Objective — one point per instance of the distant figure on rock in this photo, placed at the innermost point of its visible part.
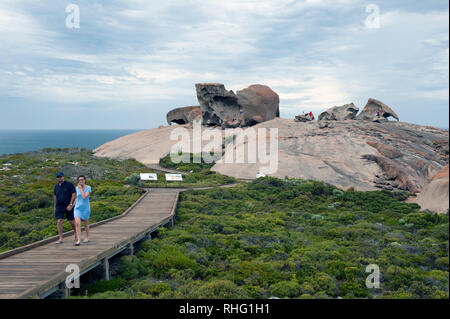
(304, 117)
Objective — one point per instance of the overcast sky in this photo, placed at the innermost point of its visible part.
(131, 61)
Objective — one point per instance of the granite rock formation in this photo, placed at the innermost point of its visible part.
(217, 104)
(339, 113)
(365, 155)
(250, 106)
(369, 113)
(435, 195)
(184, 115)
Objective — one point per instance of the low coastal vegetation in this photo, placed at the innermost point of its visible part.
(27, 181)
(288, 239)
(188, 162)
(26, 191)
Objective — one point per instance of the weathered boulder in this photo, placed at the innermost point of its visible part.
(340, 113)
(217, 104)
(184, 115)
(435, 195)
(374, 108)
(259, 104)
(250, 106)
(304, 117)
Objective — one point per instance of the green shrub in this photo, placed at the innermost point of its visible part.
(105, 285)
(152, 288)
(442, 263)
(111, 295)
(220, 289)
(190, 166)
(285, 289)
(131, 267)
(133, 179)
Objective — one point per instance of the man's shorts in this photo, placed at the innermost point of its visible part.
(61, 210)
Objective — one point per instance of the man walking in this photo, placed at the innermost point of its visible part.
(63, 198)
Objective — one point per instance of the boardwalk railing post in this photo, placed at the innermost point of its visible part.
(131, 248)
(106, 275)
(63, 290)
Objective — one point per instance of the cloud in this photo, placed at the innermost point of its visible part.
(314, 53)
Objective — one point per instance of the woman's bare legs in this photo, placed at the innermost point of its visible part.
(78, 229)
(86, 229)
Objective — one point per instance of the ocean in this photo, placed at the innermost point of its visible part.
(20, 141)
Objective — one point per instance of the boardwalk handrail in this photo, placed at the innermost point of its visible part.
(44, 241)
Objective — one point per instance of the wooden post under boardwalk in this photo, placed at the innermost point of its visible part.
(106, 275)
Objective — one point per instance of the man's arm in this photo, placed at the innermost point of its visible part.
(54, 203)
(72, 201)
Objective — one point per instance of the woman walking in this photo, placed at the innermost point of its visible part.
(82, 209)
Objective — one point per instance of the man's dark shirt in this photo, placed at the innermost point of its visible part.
(64, 193)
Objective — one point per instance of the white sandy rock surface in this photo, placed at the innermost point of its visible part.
(352, 153)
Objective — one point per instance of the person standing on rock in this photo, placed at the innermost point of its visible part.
(63, 199)
(82, 209)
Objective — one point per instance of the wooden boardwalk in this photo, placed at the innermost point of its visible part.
(39, 269)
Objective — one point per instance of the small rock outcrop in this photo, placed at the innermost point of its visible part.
(184, 115)
(339, 113)
(304, 117)
(376, 111)
(435, 195)
(250, 106)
